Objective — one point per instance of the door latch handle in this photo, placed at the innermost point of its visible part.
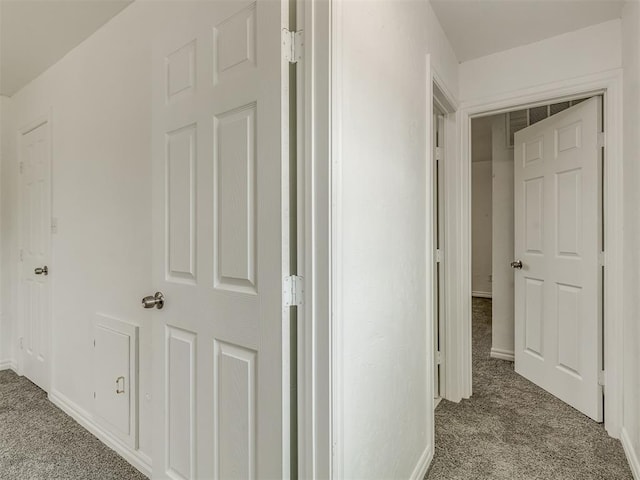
(156, 300)
(517, 264)
(118, 389)
(41, 271)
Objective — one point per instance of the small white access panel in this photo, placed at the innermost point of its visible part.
(115, 379)
(558, 334)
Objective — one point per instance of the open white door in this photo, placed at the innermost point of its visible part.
(35, 253)
(220, 242)
(558, 241)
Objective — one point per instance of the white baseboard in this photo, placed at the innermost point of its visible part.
(139, 460)
(503, 354)
(8, 365)
(482, 294)
(422, 466)
(632, 455)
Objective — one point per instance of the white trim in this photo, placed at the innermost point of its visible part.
(503, 354)
(315, 394)
(609, 82)
(445, 100)
(421, 468)
(138, 459)
(9, 365)
(482, 294)
(632, 455)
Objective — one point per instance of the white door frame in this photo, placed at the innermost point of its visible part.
(315, 367)
(439, 94)
(45, 119)
(458, 182)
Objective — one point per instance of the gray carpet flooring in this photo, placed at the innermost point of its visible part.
(510, 429)
(40, 441)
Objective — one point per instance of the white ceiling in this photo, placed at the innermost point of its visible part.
(480, 27)
(35, 34)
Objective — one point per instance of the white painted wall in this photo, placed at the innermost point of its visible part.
(631, 400)
(99, 95)
(383, 401)
(481, 205)
(574, 54)
(502, 327)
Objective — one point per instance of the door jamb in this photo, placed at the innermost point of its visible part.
(315, 334)
(439, 94)
(459, 318)
(38, 121)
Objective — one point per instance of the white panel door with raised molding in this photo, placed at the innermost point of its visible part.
(558, 329)
(220, 242)
(35, 254)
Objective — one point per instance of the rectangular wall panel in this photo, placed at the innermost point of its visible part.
(534, 315)
(235, 210)
(569, 212)
(181, 204)
(180, 414)
(534, 215)
(569, 315)
(181, 71)
(235, 413)
(235, 44)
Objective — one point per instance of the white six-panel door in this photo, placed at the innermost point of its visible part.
(557, 239)
(35, 254)
(220, 245)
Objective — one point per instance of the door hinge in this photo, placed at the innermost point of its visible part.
(439, 255)
(293, 291)
(439, 151)
(292, 45)
(94, 394)
(601, 259)
(602, 139)
(439, 358)
(21, 167)
(94, 342)
(602, 378)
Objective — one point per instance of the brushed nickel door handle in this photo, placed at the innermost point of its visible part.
(156, 301)
(41, 271)
(517, 264)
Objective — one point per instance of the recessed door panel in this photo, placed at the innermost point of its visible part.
(181, 204)
(235, 255)
(569, 203)
(534, 215)
(534, 316)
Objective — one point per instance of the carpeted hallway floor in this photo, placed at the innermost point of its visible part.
(40, 441)
(511, 430)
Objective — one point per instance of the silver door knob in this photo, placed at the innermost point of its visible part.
(41, 271)
(517, 264)
(156, 300)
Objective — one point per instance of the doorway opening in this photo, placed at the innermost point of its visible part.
(543, 207)
(459, 186)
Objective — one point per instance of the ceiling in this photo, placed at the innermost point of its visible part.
(35, 34)
(477, 28)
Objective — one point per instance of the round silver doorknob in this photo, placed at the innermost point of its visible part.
(41, 271)
(516, 264)
(156, 300)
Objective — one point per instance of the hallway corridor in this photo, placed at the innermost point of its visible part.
(38, 441)
(511, 429)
